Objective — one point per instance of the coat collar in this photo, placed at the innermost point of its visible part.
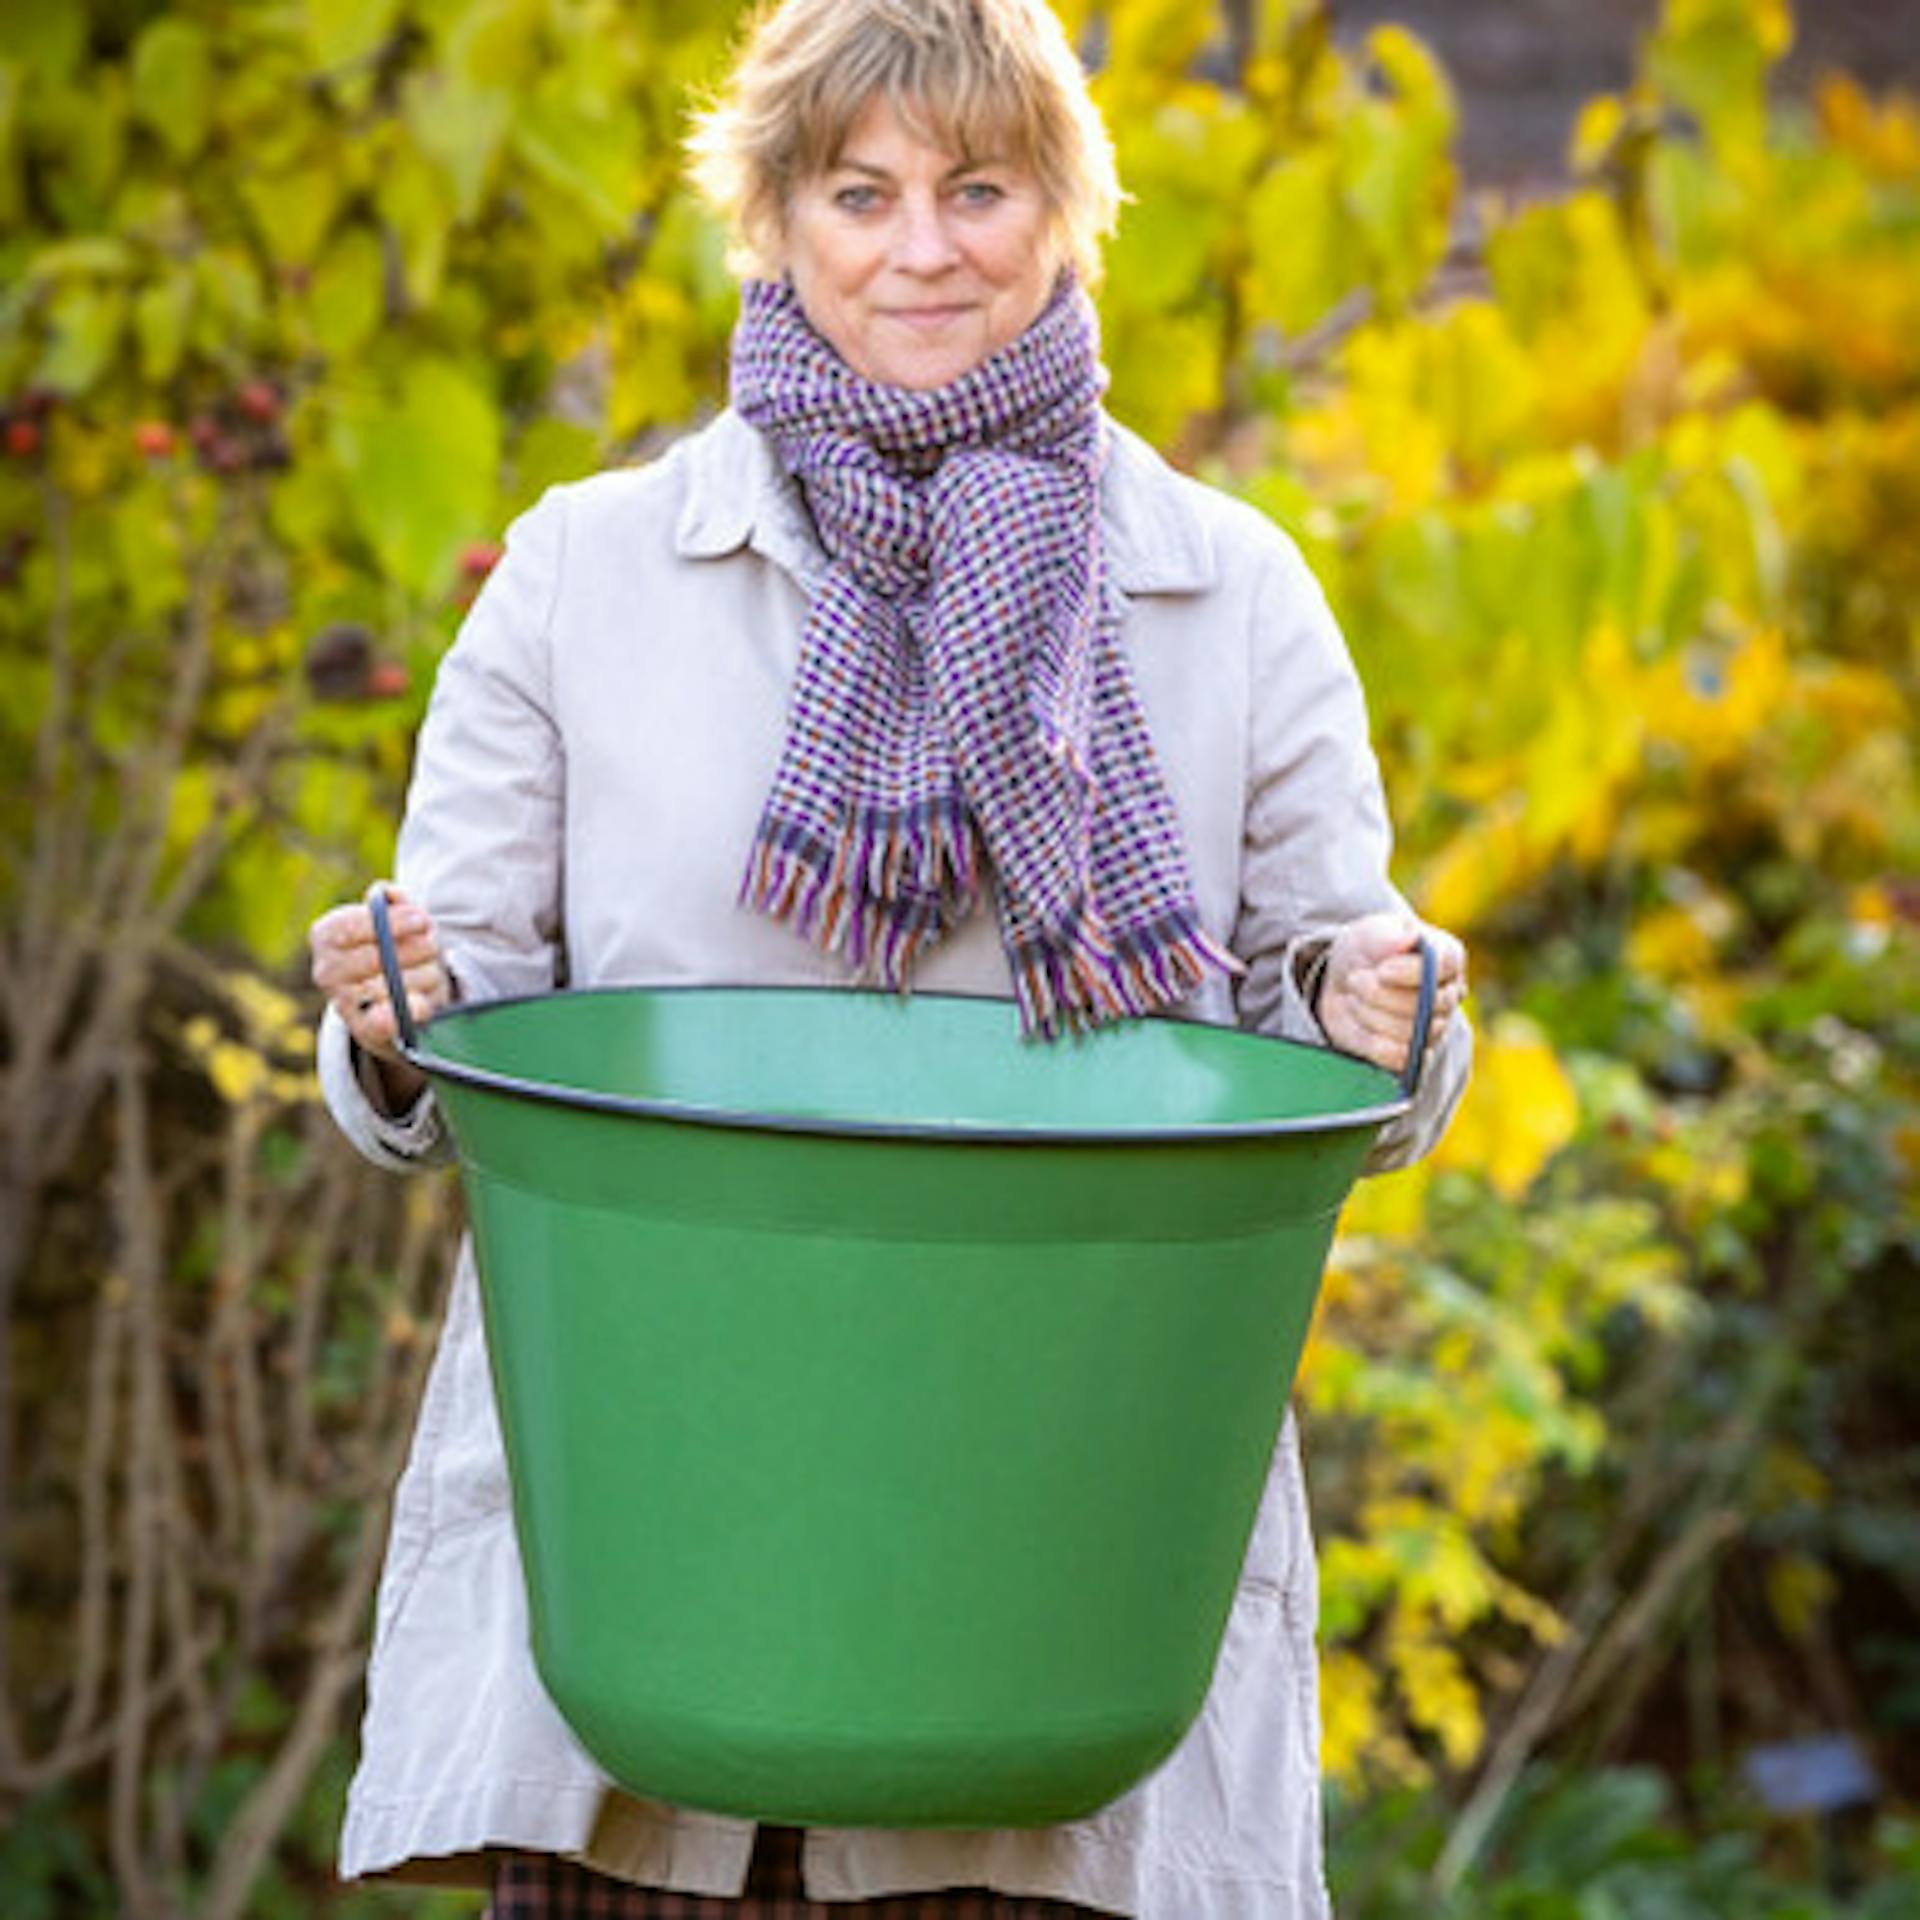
(737, 496)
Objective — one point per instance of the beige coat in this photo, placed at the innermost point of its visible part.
(600, 741)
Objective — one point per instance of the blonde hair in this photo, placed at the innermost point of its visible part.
(977, 77)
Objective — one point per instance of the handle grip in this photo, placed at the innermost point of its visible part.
(1422, 1020)
(405, 1032)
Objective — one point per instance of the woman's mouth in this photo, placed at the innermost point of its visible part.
(931, 319)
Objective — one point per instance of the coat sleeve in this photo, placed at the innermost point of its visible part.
(1318, 839)
(480, 844)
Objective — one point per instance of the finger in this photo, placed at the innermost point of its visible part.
(1377, 936)
(420, 951)
(336, 930)
(1405, 969)
(1395, 1006)
(1448, 953)
(375, 1031)
(427, 992)
(362, 960)
(404, 914)
(325, 929)
(413, 925)
(1385, 1053)
(1379, 1012)
(1400, 970)
(1369, 1032)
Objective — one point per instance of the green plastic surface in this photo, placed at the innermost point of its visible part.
(886, 1453)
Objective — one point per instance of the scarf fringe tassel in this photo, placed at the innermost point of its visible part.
(1088, 979)
(890, 888)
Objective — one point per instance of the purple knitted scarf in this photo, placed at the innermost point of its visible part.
(961, 686)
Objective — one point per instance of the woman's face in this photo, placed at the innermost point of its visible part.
(913, 262)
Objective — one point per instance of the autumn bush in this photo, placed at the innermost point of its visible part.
(1609, 1406)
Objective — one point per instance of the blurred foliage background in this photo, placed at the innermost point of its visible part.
(1610, 1407)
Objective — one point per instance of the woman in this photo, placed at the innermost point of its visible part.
(909, 633)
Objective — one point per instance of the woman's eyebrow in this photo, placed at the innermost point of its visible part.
(849, 163)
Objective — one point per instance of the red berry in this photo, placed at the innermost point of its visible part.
(204, 431)
(153, 438)
(259, 400)
(387, 680)
(479, 558)
(23, 439)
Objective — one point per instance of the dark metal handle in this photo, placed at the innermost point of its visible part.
(405, 1032)
(1422, 1019)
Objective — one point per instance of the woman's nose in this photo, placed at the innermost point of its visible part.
(924, 244)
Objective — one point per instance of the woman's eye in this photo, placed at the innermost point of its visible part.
(981, 193)
(856, 199)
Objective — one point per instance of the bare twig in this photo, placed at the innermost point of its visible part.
(96, 1548)
(140, 1260)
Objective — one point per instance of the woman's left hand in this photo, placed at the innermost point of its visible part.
(1371, 987)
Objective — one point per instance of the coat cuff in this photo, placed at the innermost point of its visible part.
(402, 1143)
(1292, 1017)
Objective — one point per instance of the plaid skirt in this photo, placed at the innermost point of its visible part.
(540, 1886)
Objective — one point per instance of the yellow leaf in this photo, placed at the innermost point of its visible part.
(1520, 1109)
(1595, 131)
(274, 1019)
(1349, 1712)
(1799, 1591)
(1713, 708)
(239, 1075)
(1482, 386)
(1478, 867)
(1440, 1698)
(1681, 942)
(1885, 137)
(1390, 1206)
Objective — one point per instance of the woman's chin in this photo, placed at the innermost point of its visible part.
(922, 365)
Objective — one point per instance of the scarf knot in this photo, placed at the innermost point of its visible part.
(961, 693)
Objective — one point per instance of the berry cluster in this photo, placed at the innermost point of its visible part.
(23, 425)
(240, 433)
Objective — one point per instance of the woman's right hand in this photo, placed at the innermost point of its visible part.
(346, 968)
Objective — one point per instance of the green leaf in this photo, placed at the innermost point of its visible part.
(344, 32)
(549, 452)
(81, 137)
(293, 210)
(591, 156)
(173, 84)
(162, 315)
(496, 43)
(1164, 371)
(310, 514)
(417, 205)
(229, 306)
(1161, 256)
(421, 471)
(10, 92)
(1299, 266)
(347, 298)
(147, 546)
(85, 327)
(95, 254)
(46, 40)
(460, 127)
